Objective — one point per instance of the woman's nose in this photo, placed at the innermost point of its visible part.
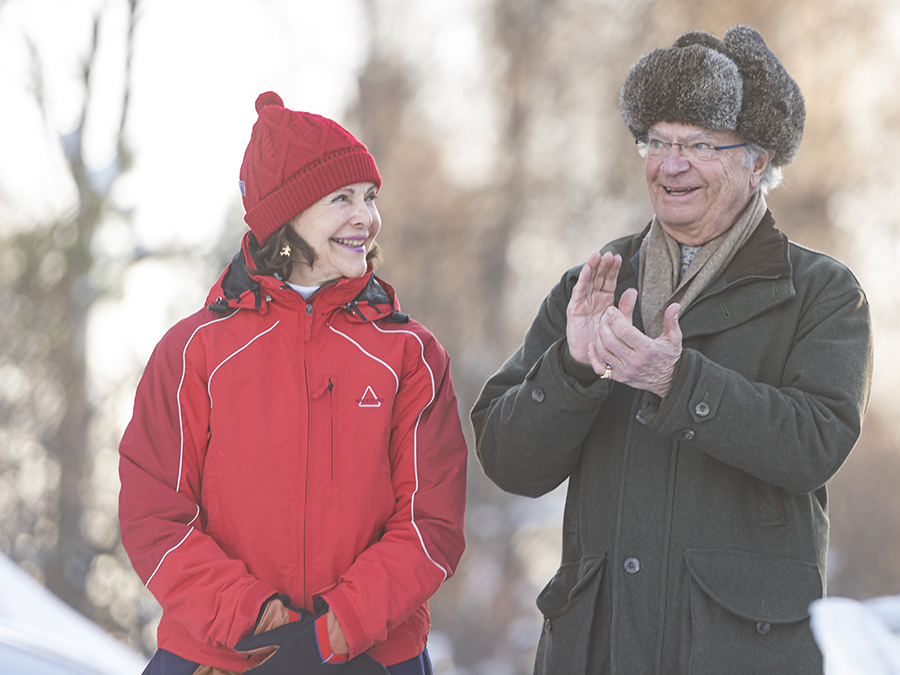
(362, 215)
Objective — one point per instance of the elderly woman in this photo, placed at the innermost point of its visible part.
(293, 477)
(697, 383)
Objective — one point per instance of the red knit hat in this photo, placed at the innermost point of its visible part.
(293, 160)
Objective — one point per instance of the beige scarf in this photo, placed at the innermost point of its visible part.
(660, 266)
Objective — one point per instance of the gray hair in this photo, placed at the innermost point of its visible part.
(772, 176)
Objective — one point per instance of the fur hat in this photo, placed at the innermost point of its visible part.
(733, 83)
(293, 160)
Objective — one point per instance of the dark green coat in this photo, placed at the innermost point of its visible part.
(696, 528)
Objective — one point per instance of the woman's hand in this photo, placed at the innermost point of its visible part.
(336, 635)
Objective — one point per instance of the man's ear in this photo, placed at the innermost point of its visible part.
(759, 166)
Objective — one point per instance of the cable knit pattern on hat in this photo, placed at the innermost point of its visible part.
(293, 160)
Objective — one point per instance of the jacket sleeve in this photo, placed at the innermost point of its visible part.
(423, 539)
(160, 467)
(531, 417)
(795, 432)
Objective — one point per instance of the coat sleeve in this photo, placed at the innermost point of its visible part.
(531, 418)
(423, 539)
(794, 432)
(160, 467)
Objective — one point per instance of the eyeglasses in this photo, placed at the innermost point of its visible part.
(650, 147)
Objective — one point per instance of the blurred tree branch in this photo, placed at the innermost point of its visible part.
(46, 307)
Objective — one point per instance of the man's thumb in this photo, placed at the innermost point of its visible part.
(671, 329)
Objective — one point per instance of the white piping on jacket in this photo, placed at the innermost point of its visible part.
(196, 515)
(412, 503)
(181, 440)
(371, 356)
(178, 394)
(234, 353)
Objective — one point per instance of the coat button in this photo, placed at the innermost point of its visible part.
(538, 394)
(687, 434)
(632, 565)
(547, 626)
(763, 627)
(702, 409)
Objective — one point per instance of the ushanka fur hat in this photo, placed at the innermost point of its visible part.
(733, 83)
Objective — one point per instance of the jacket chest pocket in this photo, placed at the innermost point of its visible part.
(748, 613)
(321, 429)
(352, 430)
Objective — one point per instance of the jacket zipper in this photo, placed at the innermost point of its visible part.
(308, 320)
(331, 424)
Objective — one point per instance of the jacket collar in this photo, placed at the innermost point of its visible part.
(764, 255)
(241, 286)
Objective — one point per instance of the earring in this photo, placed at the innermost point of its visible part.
(286, 250)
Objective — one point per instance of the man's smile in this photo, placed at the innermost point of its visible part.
(679, 191)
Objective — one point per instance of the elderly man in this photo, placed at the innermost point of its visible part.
(697, 384)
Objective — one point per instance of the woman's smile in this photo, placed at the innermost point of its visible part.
(340, 228)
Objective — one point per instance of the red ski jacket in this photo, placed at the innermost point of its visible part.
(304, 448)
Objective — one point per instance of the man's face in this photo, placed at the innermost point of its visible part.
(696, 201)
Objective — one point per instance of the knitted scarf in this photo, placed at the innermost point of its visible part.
(660, 266)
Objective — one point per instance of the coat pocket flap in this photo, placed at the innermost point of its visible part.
(756, 587)
(567, 585)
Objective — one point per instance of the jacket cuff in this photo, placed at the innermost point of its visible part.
(252, 604)
(583, 373)
(350, 620)
(654, 409)
(323, 642)
(268, 611)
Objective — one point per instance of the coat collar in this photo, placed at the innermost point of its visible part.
(763, 258)
(764, 255)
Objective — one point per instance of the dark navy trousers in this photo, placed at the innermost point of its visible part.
(167, 663)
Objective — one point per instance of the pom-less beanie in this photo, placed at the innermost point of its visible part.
(293, 160)
(733, 83)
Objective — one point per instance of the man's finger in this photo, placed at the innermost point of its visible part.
(609, 270)
(671, 328)
(597, 363)
(627, 303)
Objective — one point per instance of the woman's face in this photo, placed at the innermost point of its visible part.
(340, 228)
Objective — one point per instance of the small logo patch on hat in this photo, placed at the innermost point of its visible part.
(243, 188)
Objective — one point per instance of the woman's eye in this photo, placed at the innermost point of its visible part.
(655, 143)
(703, 145)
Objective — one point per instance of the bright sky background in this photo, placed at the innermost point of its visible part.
(198, 67)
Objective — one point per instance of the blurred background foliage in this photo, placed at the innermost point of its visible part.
(495, 125)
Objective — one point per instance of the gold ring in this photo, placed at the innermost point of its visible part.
(608, 373)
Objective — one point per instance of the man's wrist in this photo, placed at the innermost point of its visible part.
(583, 373)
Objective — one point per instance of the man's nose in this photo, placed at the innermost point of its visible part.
(674, 161)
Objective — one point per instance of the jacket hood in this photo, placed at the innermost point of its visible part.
(242, 286)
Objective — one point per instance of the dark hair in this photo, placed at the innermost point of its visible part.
(269, 259)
